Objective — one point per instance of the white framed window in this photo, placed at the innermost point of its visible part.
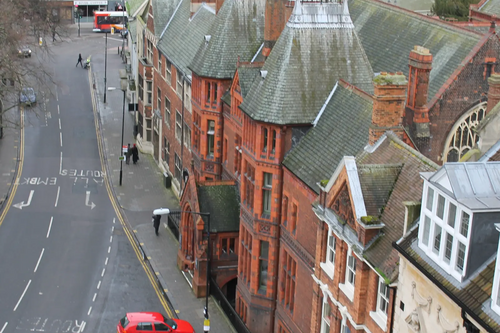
(211, 138)
(331, 245)
(345, 328)
(187, 96)
(444, 231)
(158, 99)
(179, 82)
(380, 313)
(178, 168)
(150, 51)
(149, 92)
(350, 275)
(167, 115)
(159, 63)
(325, 316)
(178, 125)
(267, 190)
(168, 74)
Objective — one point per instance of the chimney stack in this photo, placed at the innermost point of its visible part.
(388, 105)
(493, 91)
(420, 68)
(276, 17)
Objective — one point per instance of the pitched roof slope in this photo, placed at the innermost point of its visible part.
(184, 35)
(238, 30)
(390, 150)
(133, 5)
(162, 11)
(222, 202)
(491, 7)
(247, 75)
(318, 47)
(342, 129)
(388, 34)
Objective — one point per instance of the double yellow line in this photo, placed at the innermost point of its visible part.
(118, 211)
(19, 168)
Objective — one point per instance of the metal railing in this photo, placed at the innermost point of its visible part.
(230, 312)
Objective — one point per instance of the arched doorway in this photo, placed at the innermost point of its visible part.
(188, 234)
(462, 136)
(229, 290)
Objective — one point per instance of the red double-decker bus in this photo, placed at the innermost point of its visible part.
(104, 21)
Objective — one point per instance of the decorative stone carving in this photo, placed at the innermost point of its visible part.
(445, 324)
(342, 206)
(421, 301)
(413, 321)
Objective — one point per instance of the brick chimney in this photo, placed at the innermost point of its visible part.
(420, 68)
(493, 91)
(388, 105)
(276, 17)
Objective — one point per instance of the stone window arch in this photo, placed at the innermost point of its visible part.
(462, 137)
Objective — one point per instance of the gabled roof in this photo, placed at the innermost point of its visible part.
(162, 11)
(247, 75)
(341, 129)
(238, 30)
(184, 35)
(223, 204)
(475, 185)
(491, 7)
(391, 152)
(318, 47)
(473, 298)
(132, 28)
(388, 34)
(133, 6)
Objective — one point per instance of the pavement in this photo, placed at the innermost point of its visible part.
(142, 190)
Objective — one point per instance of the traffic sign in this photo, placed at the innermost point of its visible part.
(121, 158)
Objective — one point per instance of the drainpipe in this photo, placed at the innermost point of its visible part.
(182, 134)
(393, 308)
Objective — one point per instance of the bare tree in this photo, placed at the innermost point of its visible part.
(25, 25)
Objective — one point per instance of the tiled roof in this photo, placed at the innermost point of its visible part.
(222, 202)
(377, 182)
(474, 296)
(388, 34)
(342, 129)
(238, 30)
(132, 28)
(390, 150)
(184, 35)
(162, 11)
(303, 67)
(491, 7)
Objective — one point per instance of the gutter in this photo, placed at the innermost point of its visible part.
(465, 309)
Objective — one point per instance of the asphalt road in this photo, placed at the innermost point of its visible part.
(65, 262)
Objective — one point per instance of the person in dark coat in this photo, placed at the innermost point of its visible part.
(135, 153)
(156, 223)
(79, 60)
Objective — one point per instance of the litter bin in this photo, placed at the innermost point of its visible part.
(168, 180)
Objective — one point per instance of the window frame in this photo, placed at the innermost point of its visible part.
(348, 287)
(178, 125)
(267, 193)
(168, 72)
(210, 138)
(168, 112)
(325, 321)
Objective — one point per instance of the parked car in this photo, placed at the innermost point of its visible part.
(27, 96)
(25, 51)
(137, 322)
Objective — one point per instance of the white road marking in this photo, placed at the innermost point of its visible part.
(59, 123)
(114, 220)
(95, 296)
(57, 196)
(24, 292)
(21, 204)
(58, 112)
(4, 326)
(103, 270)
(60, 164)
(39, 259)
(50, 226)
(112, 228)
(90, 310)
(111, 238)
(99, 284)
(87, 198)
(106, 262)
(109, 249)
(60, 137)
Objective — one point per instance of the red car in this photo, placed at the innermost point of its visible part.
(145, 322)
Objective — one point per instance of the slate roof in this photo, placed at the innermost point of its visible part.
(184, 35)
(133, 5)
(392, 152)
(491, 7)
(222, 202)
(377, 182)
(238, 30)
(162, 11)
(303, 67)
(132, 28)
(247, 75)
(342, 129)
(474, 296)
(388, 34)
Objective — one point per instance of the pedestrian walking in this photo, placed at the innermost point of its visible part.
(79, 60)
(135, 154)
(156, 223)
(128, 154)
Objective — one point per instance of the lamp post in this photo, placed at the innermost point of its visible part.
(166, 211)
(105, 65)
(123, 86)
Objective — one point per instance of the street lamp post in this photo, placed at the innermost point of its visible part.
(166, 211)
(123, 85)
(105, 65)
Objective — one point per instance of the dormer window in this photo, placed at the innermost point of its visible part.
(444, 231)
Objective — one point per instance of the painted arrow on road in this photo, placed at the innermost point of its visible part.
(22, 204)
(87, 198)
